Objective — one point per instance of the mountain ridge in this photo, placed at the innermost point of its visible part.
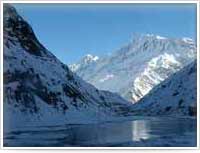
(39, 89)
(177, 95)
(131, 62)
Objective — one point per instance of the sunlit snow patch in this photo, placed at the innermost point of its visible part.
(159, 37)
(188, 40)
(107, 77)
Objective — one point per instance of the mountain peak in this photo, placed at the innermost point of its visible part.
(87, 59)
(142, 63)
(90, 58)
(155, 36)
(84, 62)
(147, 36)
(16, 29)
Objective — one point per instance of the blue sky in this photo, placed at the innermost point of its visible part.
(70, 31)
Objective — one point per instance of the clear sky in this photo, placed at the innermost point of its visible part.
(70, 31)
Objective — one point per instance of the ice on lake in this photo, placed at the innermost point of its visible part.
(141, 132)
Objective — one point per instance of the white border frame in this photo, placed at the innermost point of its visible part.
(104, 2)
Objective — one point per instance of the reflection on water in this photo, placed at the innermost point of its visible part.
(101, 133)
(141, 132)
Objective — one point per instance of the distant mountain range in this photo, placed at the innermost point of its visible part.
(134, 69)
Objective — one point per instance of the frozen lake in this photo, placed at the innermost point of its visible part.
(141, 132)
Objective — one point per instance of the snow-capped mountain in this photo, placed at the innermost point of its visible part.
(84, 62)
(38, 88)
(133, 70)
(158, 69)
(177, 95)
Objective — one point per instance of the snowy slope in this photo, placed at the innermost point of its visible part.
(177, 95)
(86, 62)
(134, 69)
(157, 70)
(39, 89)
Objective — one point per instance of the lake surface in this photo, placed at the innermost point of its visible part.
(141, 132)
